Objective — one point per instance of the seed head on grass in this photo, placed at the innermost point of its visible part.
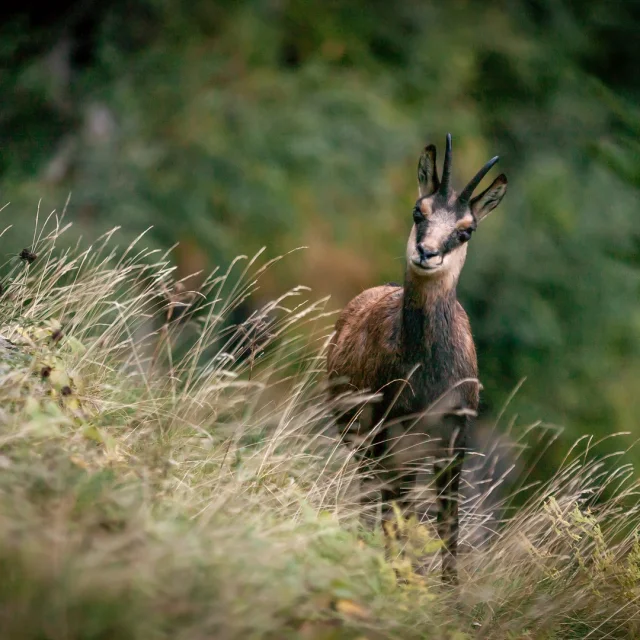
(26, 255)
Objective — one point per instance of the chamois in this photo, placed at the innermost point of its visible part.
(412, 346)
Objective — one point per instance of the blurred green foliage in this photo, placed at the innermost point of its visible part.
(232, 125)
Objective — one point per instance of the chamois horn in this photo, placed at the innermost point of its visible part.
(467, 192)
(446, 170)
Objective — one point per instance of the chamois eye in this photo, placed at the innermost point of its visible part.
(418, 216)
(465, 234)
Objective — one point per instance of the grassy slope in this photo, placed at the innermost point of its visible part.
(158, 483)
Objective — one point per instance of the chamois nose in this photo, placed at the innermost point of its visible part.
(427, 254)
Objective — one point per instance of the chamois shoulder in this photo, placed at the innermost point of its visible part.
(376, 300)
(462, 319)
(466, 353)
(366, 325)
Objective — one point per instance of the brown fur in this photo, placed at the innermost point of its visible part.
(367, 343)
(372, 351)
(412, 345)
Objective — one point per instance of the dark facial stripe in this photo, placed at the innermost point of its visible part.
(451, 243)
(421, 231)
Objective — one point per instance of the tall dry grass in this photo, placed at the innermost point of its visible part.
(165, 472)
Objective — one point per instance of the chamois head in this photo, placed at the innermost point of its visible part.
(444, 220)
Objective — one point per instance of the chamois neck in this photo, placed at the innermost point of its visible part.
(427, 310)
(425, 292)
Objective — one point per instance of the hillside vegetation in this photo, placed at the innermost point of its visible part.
(229, 125)
(166, 474)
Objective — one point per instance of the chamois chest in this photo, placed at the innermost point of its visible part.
(432, 349)
(411, 351)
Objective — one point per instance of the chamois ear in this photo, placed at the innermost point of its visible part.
(428, 182)
(489, 199)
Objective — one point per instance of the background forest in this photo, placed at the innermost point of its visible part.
(230, 125)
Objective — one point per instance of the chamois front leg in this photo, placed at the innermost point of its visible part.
(447, 476)
(395, 483)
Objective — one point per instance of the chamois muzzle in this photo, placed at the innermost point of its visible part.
(427, 254)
